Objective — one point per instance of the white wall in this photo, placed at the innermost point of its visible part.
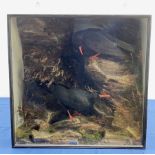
(71, 7)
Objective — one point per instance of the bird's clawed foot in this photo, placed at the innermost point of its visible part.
(71, 117)
(94, 57)
(77, 114)
(104, 95)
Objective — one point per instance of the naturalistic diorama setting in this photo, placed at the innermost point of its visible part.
(78, 80)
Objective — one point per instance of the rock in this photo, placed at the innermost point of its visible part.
(115, 76)
(65, 124)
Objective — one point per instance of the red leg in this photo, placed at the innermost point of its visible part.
(70, 116)
(104, 95)
(94, 57)
(81, 50)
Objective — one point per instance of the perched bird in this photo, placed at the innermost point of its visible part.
(92, 43)
(78, 100)
(73, 98)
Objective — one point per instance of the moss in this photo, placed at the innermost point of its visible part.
(92, 136)
(22, 133)
(51, 130)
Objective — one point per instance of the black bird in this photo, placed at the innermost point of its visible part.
(93, 42)
(66, 101)
(78, 100)
(73, 98)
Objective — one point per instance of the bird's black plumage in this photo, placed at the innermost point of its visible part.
(75, 64)
(75, 99)
(94, 40)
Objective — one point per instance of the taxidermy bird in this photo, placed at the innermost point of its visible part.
(93, 43)
(81, 101)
